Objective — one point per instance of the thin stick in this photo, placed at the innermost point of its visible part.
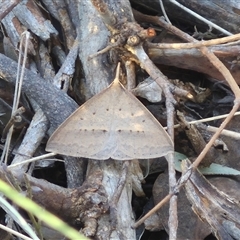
(16, 216)
(200, 17)
(161, 80)
(216, 135)
(211, 42)
(206, 119)
(194, 165)
(192, 42)
(180, 183)
(131, 75)
(228, 133)
(16, 117)
(7, 229)
(164, 12)
(225, 72)
(106, 49)
(17, 92)
(153, 210)
(34, 159)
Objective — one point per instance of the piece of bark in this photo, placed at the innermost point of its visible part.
(192, 59)
(7, 6)
(76, 169)
(197, 141)
(117, 223)
(56, 104)
(44, 62)
(14, 29)
(215, 207)
(193, 229)
(64, 76)
(59, 10)
(32, 139)
(72, 6)
(97, 75)
(30, 16)
(84, 204)
(221, 12)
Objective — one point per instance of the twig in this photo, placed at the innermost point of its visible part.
(17, 93)
(228, 133)
(192, 41)
(153, 210)
(161, 80)
(211, 42)
(225, 72)
(32, 138)
(200, 17)
(9, 230)
(34, 159)
(63, 77)
(104, 50)
(131, 75)
(15, 215)
(206, 119)
(178, 186)
(119, 190)
(16, 117)
(216, 135)
(173, 214)
(224, 132)
(164, 12)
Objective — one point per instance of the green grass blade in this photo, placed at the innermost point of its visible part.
(43, 215)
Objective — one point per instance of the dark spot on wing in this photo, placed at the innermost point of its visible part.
(94, 113)
(107, 109)
(143, 120)
(119, 130)
(81, 118)
(132, 114)
(120, 109)
(104, 130)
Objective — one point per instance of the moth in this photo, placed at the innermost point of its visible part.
(112, 124)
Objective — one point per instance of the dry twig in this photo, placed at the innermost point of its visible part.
(225, 72)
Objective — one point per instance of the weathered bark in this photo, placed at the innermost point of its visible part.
(192, 59)
(221, 12)
(98, 193)
(98, 74)
(6, 7)
(52, 100)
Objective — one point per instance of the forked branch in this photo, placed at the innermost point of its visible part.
(233, 85)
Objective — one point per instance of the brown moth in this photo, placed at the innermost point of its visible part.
(112, 124)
